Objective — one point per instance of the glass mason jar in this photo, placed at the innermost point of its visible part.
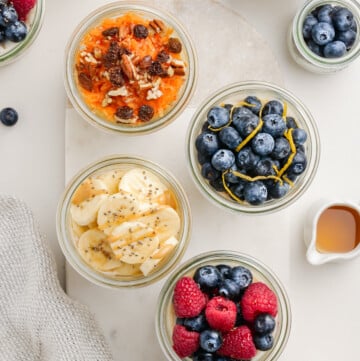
(9, 51)
(306, 58)
(69, 232)
(233, 94)
(146, 11)
(166, 319)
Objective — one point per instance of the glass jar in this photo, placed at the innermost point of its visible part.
(233, 94)
(69, 232)
(306, 58)
(114, 10)
(166, 319)
(13, 51)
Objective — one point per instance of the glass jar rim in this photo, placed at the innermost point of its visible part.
(66, 243)
(123, 6)
(304, 50)
(222, 256)
(216, 98)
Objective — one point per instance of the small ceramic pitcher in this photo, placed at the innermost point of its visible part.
(313, 255)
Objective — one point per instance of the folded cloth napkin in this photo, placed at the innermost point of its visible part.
(37, 320)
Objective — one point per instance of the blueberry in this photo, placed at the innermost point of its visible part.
(203, 158)
(239, 316)
(263, 144)
(255, 104)
(217, 184)
(300, 148)
(2, 34)
(276, 189)
(299, 136)
(263, 342)
(281, 148)
(298, 164)
(335, 49)
(309, 22)
(238, 189)
(247, 159)
(245, 121)
(202, 355)
(209, 172)
(9, 116)
(324, 14)
(347, 37)
(223, 159)
(291, 176)
(229, 289)
(8, 15)
(208, 277)
(354, 26)
(264, 323)
(228, 107)
(197, 323)
(223, 358)
(265, 167)
(255, 193)
(224, 269)
(205, 127)
(230, 137)
(241, 275)
(274, 124)
(342, 19)
(273, 107)
(218, 117)
(232, 178)
(315, 48)
(291, 123)
(207, 143)
(323, 33)
(16, 32)
(210, 340)
(180, 321)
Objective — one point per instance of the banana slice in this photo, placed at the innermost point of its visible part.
(143, 184)
(124, 270)
(164, 220)
(96, 252)
(77, 230)
(87, 200)
(161, 253)
(111, 179)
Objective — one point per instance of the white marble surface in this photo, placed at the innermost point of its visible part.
(324, 299)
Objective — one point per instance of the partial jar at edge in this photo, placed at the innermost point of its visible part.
(301, 53)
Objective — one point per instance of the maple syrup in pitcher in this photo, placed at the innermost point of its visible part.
(338, 230)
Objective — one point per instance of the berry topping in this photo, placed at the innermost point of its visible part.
(23, 7)
(185, 342)
(242, 276)
(188, 300)
(221, 313)
(218, 117)
(210, 340)
(238, 344)
(264, 323)
(207, 277)
(9, 116)
(197, 323)
(258, 298)
(264, 342)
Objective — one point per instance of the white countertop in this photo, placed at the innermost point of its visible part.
(324, 299)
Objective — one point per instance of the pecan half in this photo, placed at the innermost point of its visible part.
(145, 62)
(157, 25)
(128, 67)
(85, 81)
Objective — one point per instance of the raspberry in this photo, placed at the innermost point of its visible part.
(23, 7)
(258, 298)
(188, 300)
(221, 313)
(185, 342)
(238, 344)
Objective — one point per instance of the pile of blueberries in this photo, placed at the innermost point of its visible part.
(264, 155)
(11, 28)
(330, 31)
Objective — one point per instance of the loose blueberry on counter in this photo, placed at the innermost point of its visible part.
(230, 137)
(9, 116)
(342, 19)
(223, 159)
(263, 342)
(242, 276)
(197, 323)
(309, 22)
(298, 164)
(265, 167)
(334, 49)
(207, 143)
(16, 32)
(224, 269)
(247, 159)
(229, 289)
(210, 340)
(324, 14)
(299, 136)
(274, 124)
(208, 277)
(323, 33)
(255, 102)
(255, 193)
(347, 37)
(209, 172)
(277, 189)
(281, 148)
(273, 107)
(245, 121)
(263, 144)
(264, 323)
(218, 117)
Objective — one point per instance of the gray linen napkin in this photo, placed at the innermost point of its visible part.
(38, 321)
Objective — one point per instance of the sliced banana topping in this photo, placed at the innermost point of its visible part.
(125, 269)
(111, 179)
(77, 230)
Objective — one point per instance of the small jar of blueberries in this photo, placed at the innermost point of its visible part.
(324, 35)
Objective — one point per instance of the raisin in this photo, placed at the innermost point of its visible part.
(85, 81)
(111, 32)
(146, 112)
(124, 112)
(116, 77)
(140, 31)
(145, 62)
(155, 68)
(163, 57)
(174, 45)
(111, 57)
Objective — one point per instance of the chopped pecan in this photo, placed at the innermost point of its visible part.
(124, 32)
(97, 53)
(174, 45)
(128, 67)
(85, 81)
(114, 31)
(179, 71)
(146, 112)
(115, 76)
(163, 57)
(157, 25)
(145, 62)
(124, 112)
(140, 31)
